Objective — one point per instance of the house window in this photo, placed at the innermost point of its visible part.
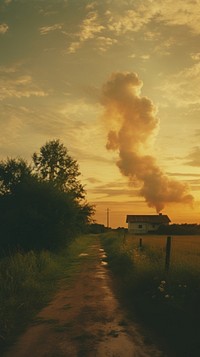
(139, 225)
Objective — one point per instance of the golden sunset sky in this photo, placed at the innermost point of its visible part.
(118, 82)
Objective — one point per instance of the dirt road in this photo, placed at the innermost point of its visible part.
(84, 319)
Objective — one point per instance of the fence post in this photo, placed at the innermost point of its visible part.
(168, 254)
(140, 243)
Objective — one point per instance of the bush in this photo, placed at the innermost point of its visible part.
(36, 216)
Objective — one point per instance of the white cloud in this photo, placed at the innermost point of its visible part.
(16, 85)
(181, 13)
(131, 20)
(145, 57)
(47, 29)
(3, 28)
(91, 6)
(133, 16)
(195, 56)
(89, 28)
(169, 13)
(104, 43)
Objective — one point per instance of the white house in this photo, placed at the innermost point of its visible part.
(146, 223)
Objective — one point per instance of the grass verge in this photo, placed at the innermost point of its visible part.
(168, 305)
(28, 282)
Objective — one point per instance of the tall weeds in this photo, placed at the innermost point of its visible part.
(168, 303)
(27, 282)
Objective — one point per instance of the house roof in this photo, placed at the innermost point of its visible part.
(158, 218)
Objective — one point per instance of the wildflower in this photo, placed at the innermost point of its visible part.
(185, 286)
(167, 296)
(161, 289)
(163, 282)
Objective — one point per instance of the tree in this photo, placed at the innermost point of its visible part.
(84, 216)
(53, 164)
(42, 207)
(13, 172)
(37, 216)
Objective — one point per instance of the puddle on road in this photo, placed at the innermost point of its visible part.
(104, 263)
(100, 274)
(103, 256)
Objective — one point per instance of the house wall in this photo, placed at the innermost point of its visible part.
(138, 227)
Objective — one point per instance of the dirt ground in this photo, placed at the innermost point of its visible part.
(84, 319)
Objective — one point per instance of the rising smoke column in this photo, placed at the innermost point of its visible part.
(132, 124)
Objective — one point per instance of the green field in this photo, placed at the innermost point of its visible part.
(184, 257)
(166, 302)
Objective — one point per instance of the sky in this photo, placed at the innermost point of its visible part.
(117, 82)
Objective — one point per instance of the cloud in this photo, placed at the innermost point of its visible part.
(165, 45)
(180, 13)
(45, 30)
(91, 6)
(132, 123)
(130, 20)
(31, 122)
(104, 43)
(83, 152)
(89, 28)
(168, 13)
(114, 192)
(3, 28)
(183, 174)
(13, 84)
(194, 157)
(93, 180)
(195, 56)
(10, 126)
(128, 17)
(183, 87)
(143, 57)
(114, 189)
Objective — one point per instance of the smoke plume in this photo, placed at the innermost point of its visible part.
(132, 125)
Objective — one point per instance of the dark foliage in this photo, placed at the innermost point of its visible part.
(36, 217)
(53, 164)
(12, 173)
(38, 211)
(96, 228)
(179, 229)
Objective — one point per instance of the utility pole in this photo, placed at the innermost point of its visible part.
(108, 217)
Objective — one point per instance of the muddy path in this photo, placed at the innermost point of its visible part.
(84, 319)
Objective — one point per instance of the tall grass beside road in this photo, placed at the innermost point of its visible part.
(28, 282)
(168, 303)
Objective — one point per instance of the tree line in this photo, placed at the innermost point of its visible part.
(180, 229)
(43, 203)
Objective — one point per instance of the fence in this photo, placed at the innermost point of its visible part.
(167, 252)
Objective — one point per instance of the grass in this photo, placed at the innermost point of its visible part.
(28, 282)
(168, 303)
